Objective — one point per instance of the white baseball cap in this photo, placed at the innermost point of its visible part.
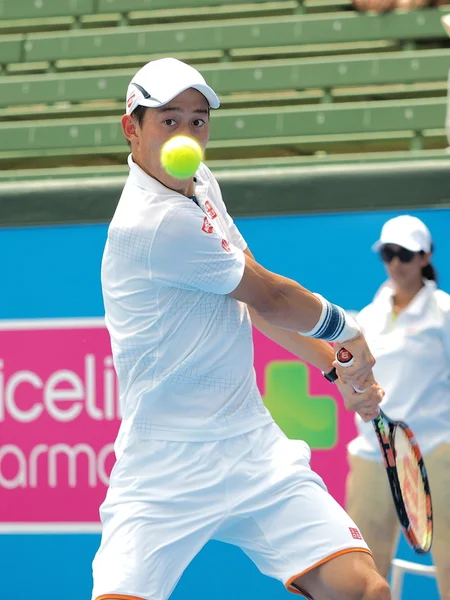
(159, 81)
(407, 232)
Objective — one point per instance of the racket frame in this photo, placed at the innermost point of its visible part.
(387, 446)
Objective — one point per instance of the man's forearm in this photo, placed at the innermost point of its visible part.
(315, 352)
(284, 303)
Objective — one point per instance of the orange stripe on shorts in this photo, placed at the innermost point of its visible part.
(289, 582)
(118, 597)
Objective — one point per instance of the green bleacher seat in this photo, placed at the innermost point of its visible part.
(10, 48)
(229, 164)
(162, 12)
(209, 13)
(132, 61)
(313, 6)
(34, 25)
(313, 50)
(237, 130)
(125, 6)
(229, 34)
(329, 72)
(330, 119)
(251, 78)
(28, 9)
(334, 148)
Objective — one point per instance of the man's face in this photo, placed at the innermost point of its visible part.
(187, 114)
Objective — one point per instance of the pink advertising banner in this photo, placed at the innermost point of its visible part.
(59, 415)
(58, 418)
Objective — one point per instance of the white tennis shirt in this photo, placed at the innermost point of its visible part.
(182, 347)
(412, 352)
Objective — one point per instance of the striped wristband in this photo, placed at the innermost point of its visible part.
(334, 324)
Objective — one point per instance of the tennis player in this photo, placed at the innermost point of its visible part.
(198, 455)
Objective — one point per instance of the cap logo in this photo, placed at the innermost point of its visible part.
(131, 100)
(142, 90)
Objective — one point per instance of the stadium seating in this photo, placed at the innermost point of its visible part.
(229, 35)
(256, 77)
(299, 81)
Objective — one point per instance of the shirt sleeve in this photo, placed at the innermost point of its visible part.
(363, 317)
(447, 335)
(444, 306)
(235, 236)
(188, 253)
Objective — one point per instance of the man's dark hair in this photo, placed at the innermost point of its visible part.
(138, 115)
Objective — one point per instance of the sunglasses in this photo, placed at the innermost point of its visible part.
(388, 254)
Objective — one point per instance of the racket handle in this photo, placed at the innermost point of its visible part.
(345, 359)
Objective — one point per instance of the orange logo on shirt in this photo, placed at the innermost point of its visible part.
(225, 246)
(355, 533)
(207, 227)
(210, 210)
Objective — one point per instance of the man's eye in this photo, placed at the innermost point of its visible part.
(169, 121)
(199, 122)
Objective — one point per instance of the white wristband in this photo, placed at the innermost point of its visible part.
(334, 325)
(350, 331)
(323, 316)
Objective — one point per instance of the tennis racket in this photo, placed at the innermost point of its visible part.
(406, 473)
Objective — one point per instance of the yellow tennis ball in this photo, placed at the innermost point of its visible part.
(181, 156)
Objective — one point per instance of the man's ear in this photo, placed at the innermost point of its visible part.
(129, 127)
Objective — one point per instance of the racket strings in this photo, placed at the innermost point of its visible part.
(411, 484)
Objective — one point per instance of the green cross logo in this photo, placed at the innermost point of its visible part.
(300, 415)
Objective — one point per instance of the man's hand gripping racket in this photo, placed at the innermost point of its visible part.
(406, 473)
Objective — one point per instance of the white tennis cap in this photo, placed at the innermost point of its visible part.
(159, 81)
(407, 232)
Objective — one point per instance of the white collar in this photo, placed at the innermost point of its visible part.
(383, 298)
(147, 182)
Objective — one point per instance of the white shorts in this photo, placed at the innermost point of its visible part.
(256, 491)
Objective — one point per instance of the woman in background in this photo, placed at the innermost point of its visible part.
(407, 327)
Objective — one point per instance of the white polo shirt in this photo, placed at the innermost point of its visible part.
(182, 347)
(412, 351)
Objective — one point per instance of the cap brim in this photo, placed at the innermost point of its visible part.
(209, 94)
(376, 246)
(412, 247)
